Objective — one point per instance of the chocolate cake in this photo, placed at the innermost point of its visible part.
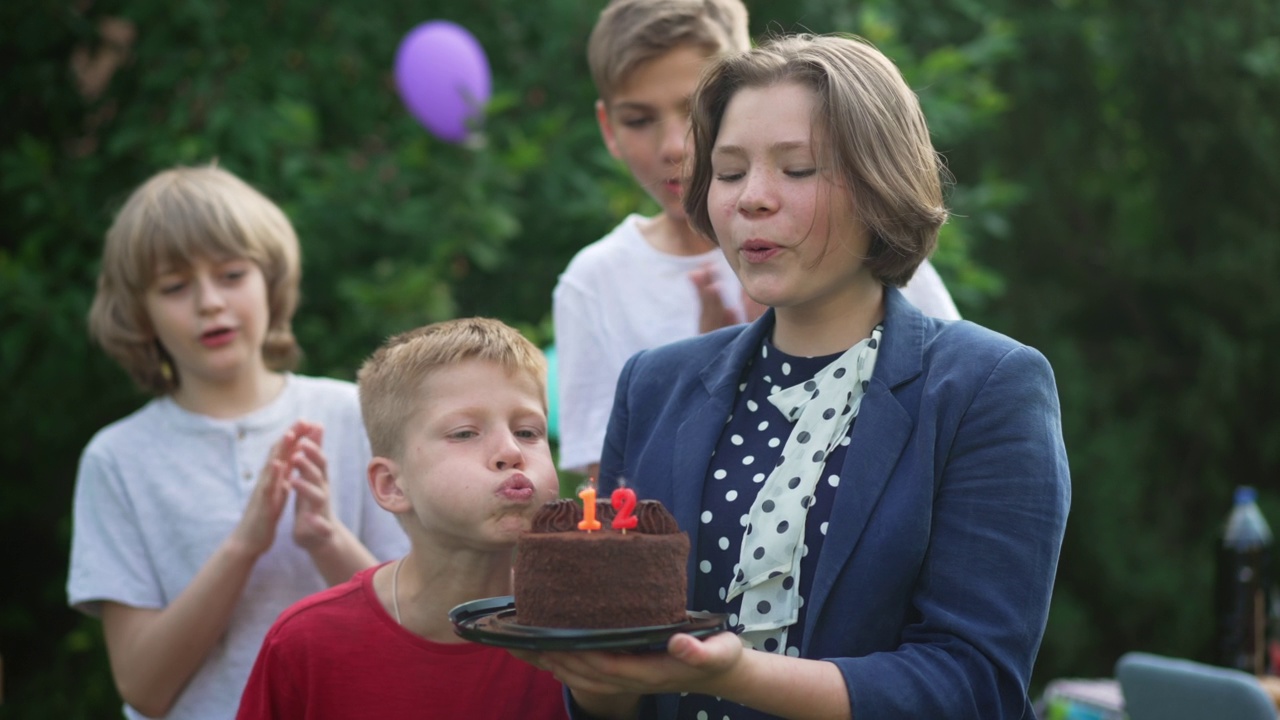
(571, 578)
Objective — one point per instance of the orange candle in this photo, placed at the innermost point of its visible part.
(589, 521)
(624, 501)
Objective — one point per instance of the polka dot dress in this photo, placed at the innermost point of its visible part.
(747, 451)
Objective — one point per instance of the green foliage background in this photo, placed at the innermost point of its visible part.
(1117, 165)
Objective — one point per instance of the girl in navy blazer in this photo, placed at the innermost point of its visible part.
(876, 499)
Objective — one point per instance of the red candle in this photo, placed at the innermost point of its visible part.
(624, 501)
(589, 521)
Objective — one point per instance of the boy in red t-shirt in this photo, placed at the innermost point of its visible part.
(457, 418)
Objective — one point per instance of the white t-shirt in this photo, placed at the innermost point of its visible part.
(159, 490)
(619, 296)
(927, 293)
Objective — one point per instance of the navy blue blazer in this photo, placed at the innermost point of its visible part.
(933, 584)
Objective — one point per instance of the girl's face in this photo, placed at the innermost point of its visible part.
(212, 319)
(787, 227)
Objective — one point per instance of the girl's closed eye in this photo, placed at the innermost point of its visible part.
(802, 173)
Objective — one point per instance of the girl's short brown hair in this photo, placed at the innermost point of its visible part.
(873, 130)
(174, 218)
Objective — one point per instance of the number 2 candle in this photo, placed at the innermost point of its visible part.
(624, 501)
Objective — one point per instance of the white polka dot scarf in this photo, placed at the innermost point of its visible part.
(768, 574)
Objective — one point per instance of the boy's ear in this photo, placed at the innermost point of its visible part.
(384, 475)
(606, 129)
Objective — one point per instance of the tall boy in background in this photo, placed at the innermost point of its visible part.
(653, 280)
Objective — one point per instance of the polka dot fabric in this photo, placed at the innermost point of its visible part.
(819, 411)
(748, 450)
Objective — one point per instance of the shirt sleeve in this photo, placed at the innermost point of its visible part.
(928, 293)
(586, 376)
(109, 558)
(982, 597)
(270, 692)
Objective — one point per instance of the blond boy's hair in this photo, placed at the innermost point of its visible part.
(176, 217)
(869, 126)
(392, 378)
(630, 33)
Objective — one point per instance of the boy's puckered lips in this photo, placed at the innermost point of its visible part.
(517, 487)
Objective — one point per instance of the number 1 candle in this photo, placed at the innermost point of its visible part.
(589, 521)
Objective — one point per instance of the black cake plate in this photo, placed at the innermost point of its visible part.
(492, 621)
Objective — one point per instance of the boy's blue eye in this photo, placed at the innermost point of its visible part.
(637, 123)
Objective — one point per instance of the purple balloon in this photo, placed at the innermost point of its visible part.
(443, 78)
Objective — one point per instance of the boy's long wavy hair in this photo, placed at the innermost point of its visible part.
(174, 218)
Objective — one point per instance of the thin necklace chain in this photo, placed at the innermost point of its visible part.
(395, 590)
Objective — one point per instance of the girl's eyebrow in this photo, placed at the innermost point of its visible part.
(728, 151)
(778, 147)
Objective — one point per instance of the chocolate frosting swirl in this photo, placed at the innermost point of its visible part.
(564, 514)
(557, 516)
(654, 519)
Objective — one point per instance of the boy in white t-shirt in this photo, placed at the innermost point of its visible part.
(238, 489)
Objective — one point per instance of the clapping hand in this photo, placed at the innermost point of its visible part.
(256, 530)
(308, 477)
(713, 313)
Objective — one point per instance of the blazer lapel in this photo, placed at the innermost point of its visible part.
(879, 435)
(696, 437)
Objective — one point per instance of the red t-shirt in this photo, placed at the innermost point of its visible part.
(338, 654)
